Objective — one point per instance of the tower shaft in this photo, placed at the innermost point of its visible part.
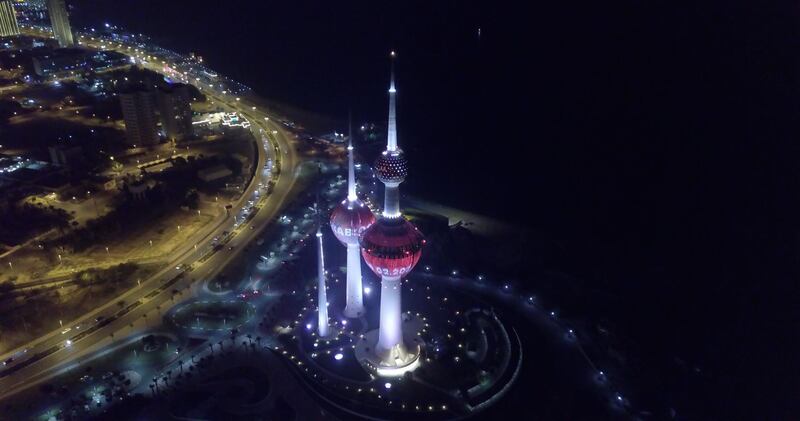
(391, 200)
(322, 295)
(390, 335)
(355, 295)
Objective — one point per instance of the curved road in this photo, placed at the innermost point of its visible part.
(52, 353)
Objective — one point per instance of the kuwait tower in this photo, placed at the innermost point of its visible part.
(391, 248)
(348, 221)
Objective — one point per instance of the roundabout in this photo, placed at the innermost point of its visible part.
(461, 356)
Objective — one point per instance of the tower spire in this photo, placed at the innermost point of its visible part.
(391, 137)
(351, 171)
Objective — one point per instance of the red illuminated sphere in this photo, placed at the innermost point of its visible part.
(350, 219)
(391, 167)
(392, 247)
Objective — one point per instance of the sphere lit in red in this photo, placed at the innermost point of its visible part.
(392, 247)
(391, 167)
(350, 219)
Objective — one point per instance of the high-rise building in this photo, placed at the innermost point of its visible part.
(391, 248)
(175, 108)
(348, 221)
(59, 19)
(139, 113)
(8, 19)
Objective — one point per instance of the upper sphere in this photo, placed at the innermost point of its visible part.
(392, 247)
(349, 220)
(391, 167)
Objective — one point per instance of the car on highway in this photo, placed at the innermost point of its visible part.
(249, 294)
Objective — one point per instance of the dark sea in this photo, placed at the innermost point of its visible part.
(652, 144)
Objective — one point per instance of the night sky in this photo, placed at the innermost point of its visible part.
(652, 144)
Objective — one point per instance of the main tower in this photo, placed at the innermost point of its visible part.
(392, 247)
(349, 221)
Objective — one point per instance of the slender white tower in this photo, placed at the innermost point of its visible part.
(322, 294)
(391, 248)
(348, 221)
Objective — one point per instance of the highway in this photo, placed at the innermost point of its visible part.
(144, 304)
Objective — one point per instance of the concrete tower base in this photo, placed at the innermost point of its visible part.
(402, 358)
(333, 333)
